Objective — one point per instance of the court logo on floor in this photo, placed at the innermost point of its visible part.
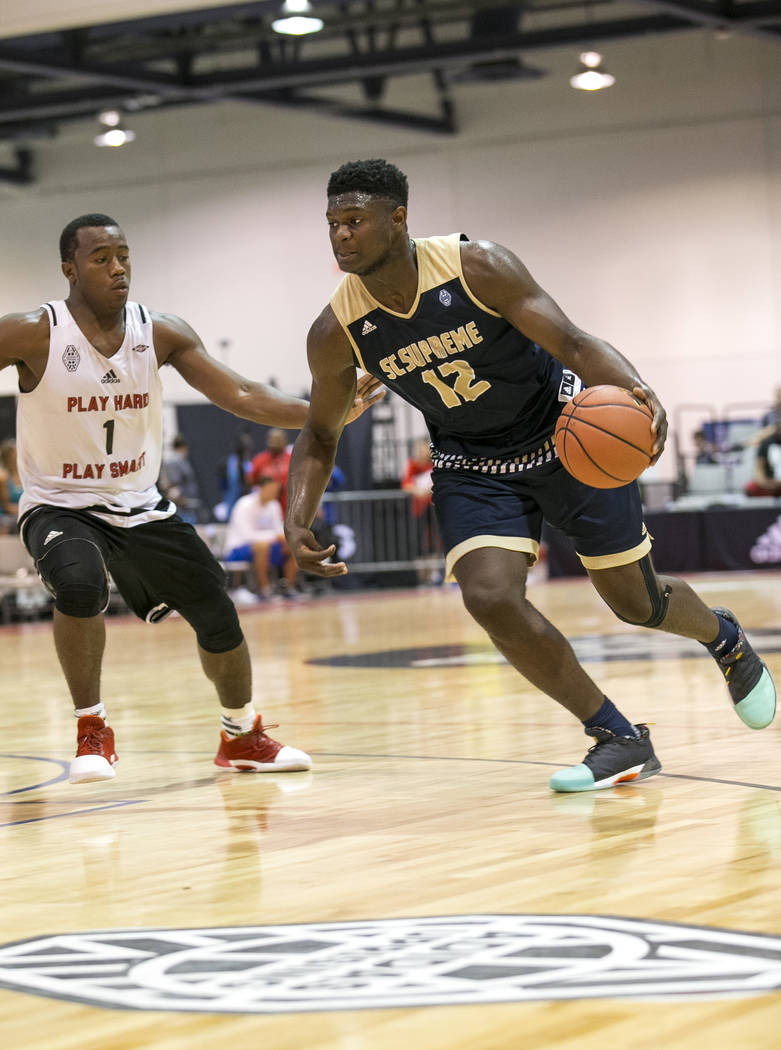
(589, 648)
(376, 964)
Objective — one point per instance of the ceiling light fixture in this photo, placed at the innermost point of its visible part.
(112, 133)
(110, 117)
(296, 20)
(590, 76)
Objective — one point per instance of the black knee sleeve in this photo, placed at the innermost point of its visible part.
(659, 601)
(75, 573)
(215, 622)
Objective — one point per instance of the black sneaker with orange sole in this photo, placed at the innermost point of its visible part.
(612, 760)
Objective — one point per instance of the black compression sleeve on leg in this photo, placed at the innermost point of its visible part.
(659, 602)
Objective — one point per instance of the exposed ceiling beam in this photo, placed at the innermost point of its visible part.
(444, 124)
(61, 105)
(422, 59)
(231, 53)
(729, 17)
(276, 76)
(14, 61)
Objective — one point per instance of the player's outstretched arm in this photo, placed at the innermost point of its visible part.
(178, 345)
(24, 342)
(312, 460)
(501, 281)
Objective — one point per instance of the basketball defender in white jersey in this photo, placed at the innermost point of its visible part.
(89, 435)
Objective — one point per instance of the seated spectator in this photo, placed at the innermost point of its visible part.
(705, 451)
(179, 483)
(255, 534)
(767, 481)
(767, 425)
(274, 462)
(10, 486)
(234, 476)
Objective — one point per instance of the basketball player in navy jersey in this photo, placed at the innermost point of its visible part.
(461, 330)
(89, 434)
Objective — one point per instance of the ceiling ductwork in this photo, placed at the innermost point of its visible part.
(233, 53)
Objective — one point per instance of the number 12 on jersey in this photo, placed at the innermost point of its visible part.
(465, 388)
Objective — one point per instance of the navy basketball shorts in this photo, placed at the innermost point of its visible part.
(161, 565)
(507, 510)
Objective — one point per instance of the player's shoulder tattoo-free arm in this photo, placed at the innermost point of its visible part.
(177, 344)
(24, 338)
(501, 281)
(173, 338)
(332, 366)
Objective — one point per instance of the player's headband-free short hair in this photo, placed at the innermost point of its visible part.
(69, 238)
(376, 177)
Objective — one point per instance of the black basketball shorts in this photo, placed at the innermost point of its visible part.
(158, 564)
(477, 509)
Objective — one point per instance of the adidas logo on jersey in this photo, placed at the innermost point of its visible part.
(368, 327)
(52, 536)
(111, 377)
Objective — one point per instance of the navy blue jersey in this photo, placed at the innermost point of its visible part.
(486, 390)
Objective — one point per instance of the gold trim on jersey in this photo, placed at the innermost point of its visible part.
(523, 544)
(611, 561)
(439, 261)
(353, 343)
(468, 290)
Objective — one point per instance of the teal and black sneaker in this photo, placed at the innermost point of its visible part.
(748, 680)
(612, 760)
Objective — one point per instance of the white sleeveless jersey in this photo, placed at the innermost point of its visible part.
(90, 435)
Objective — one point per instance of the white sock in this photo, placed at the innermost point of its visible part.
(236, 721)
(97, 709)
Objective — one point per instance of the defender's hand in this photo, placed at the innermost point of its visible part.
(370, 391)
(310, 556)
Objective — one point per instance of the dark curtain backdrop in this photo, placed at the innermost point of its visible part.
(211, 434)
(7, 417)
(715, 539)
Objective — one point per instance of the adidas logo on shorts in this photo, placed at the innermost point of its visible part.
(111, 377)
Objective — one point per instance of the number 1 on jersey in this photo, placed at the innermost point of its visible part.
(465, 388)
(108, 426)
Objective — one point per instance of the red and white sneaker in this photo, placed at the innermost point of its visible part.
(95, 755)
(258, 753)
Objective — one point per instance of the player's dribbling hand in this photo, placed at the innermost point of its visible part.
(659, 426)
(310, 556)
(370, 390)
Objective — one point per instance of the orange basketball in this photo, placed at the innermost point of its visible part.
(604, 438)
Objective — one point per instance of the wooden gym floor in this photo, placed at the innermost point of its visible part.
(421, 888)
